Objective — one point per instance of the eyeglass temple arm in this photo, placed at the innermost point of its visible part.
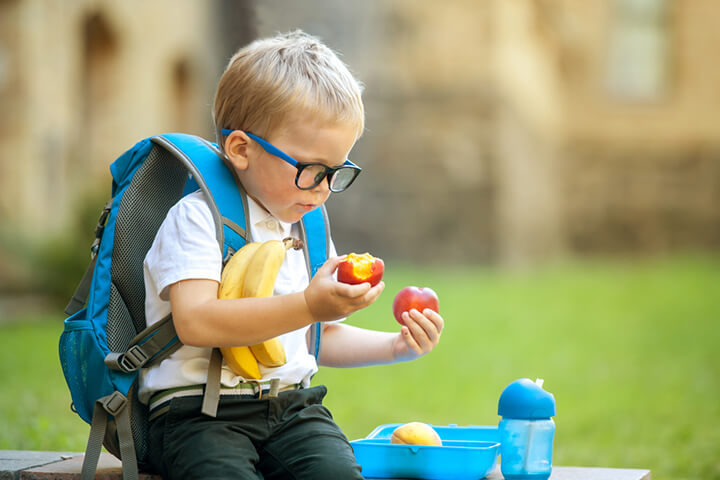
(268, 147)
(272, 150)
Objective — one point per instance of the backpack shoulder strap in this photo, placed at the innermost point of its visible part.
(315, 230)
(228, 204)
(224, 193)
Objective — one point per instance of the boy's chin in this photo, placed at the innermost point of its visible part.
(294, 213)
(299, 211)
(290, 217)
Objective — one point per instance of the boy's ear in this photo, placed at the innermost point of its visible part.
(236, 149)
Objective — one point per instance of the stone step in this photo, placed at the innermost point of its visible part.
(30, 465)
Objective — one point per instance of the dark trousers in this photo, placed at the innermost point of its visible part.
(291, 436)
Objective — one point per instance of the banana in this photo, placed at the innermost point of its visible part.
(265, 266)
(252, 272)
(260, 282)
(233, 275)
(270, 353)
(240, 359)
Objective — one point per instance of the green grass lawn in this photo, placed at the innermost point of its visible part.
(629, 349)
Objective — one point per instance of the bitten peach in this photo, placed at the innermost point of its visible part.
(416, 433)
(361, 268)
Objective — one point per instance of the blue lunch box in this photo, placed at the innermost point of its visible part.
(468, 453)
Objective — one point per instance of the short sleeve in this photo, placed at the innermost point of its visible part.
(185, 246)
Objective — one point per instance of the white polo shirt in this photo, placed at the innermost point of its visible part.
(185, 247)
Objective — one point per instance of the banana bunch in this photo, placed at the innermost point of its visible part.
(251, 272)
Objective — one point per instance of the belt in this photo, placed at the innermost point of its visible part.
(160, 401)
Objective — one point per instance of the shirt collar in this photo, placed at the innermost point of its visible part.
(261, 218)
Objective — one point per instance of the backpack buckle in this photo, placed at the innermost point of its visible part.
(103, 219)
(114, 404)
(94, 248)
(100, 228)
(133, 359)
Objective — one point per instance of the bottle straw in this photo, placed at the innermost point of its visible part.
(527, 446)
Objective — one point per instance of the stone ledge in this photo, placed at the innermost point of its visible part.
(29, 465)
(12, 462)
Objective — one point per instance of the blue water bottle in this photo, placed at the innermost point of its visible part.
(526, 430)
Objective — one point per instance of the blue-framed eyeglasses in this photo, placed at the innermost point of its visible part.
(309, 175)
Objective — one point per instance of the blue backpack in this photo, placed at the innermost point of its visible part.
(106, 341)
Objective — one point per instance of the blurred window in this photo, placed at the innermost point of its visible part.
(101, 82)
(182, 94)
(638, 50)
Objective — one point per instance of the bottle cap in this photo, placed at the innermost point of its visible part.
(525, 399)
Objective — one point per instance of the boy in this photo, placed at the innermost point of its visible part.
(293, 93)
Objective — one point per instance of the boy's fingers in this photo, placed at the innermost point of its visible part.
(369, 294)
(429, 320)
(352, 291)
(410, 340)
(414, 322)
(423, 327)
(374, 292)
(331, 265)
(435, 318)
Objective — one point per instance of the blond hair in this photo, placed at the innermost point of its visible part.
(290, 73)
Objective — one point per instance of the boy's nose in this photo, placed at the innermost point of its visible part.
(322, 187)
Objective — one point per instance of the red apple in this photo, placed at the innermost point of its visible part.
(414, 297)
(361, 268)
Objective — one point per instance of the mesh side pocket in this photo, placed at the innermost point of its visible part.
(83, 364)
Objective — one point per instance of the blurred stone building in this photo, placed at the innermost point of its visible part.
(517, 130)
(506, 131)
(83, 80)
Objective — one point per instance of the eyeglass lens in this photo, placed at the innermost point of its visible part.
(312, 175)
(342, 179)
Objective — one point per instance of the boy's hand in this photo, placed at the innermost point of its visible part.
(419, 335)
(327, 299)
